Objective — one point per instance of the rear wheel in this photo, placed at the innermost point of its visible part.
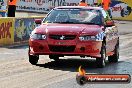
(114, 58)
(33, 59)
(100, 62)
(55, 57)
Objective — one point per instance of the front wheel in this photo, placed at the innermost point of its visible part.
(102, 60)
(114, 58)
(33, 59)
(55, 57)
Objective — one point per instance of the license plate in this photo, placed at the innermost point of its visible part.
(61, 43)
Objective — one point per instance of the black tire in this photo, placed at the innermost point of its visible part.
(114, 58)
(33, 59)
(101, 62)
(55, 57)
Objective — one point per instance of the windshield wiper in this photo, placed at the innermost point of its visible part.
(90, 23)
(65, 22)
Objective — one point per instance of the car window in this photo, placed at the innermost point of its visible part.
(87, 16)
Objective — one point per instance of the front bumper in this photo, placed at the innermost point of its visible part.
(65, 47)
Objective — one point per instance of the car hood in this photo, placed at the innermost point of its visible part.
(68, 29)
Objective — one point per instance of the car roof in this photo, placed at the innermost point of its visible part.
(78, 7)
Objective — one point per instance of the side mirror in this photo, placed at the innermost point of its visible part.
(109, 23)
(38, 21)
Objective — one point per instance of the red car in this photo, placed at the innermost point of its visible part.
(75, 31)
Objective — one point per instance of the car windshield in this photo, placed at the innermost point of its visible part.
(76, 16)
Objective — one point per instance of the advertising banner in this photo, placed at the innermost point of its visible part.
(125, 10)
(44, 6)
(33, 6)
(23, 28)
(6, 31)
(121, 9)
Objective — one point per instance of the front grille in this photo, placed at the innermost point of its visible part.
(61, 48)
(62, 37)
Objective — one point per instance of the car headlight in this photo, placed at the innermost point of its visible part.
(87, 37)
(98, 37)
(38, 36)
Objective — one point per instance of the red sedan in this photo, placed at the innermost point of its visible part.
(75, 31)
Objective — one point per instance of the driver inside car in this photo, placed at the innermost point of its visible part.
(61, 18)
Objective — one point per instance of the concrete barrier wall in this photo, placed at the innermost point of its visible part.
(16, 30)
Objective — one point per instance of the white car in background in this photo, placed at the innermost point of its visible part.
(120, 9)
